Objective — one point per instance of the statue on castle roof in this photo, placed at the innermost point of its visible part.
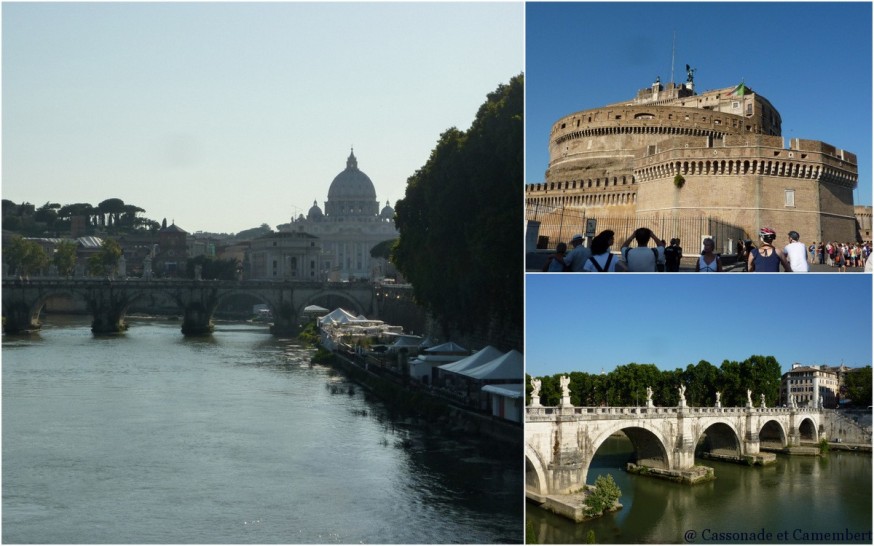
(690, 74)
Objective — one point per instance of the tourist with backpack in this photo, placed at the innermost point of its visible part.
(642, 258)
(602, 260)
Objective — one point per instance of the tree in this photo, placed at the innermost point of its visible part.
(459, 221)
(603, 497)
(106, 259)
(47, 214)
(858, 385)
(383, 249)
(26, 256)
(111, 208)
(65, 258)
(213, 268)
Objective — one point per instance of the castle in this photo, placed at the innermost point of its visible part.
(672, 153)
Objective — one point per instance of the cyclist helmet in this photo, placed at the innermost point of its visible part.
(767, 234)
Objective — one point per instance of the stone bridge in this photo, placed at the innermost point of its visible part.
(560, 442)
(108, 300)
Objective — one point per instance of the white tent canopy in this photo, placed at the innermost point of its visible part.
(509, 390)
(508, 366)
(314, 309)
(447, 348)
(337, 316)
(487, 354)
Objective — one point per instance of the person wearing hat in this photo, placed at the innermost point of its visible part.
(577, 258)
(766, 258)
(796, 253)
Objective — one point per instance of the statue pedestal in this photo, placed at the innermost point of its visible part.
(718, 405)
(535, 403)
(565, 401)
(649, 404)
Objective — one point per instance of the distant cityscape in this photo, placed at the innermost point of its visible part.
(335, 244)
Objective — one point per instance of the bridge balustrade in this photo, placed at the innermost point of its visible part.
(548, 413)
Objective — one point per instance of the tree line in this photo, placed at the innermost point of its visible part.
(460, 230)
(110, 215)
(626, 385)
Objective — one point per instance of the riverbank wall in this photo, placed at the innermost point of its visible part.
(427, 407)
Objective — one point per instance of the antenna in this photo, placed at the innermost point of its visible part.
(673, 53)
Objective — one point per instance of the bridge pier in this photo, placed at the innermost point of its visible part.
(197, 321)
(107, 306)
(567, 470)
(19, 318)
(284, 318)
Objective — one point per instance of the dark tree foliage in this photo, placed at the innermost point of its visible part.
(212, 268)
(460, 230)
(626, 385)
(383, 249)
(858, 387)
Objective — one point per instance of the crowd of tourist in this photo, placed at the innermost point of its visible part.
(768, 256)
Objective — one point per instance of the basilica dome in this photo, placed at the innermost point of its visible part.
(351, 193)
(351, 184)
(387, 212)
(315, 213)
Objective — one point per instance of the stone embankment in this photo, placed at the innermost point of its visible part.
(428, 406)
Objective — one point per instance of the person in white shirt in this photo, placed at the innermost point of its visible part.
(796, 253)
(642, 258)
(602, 260)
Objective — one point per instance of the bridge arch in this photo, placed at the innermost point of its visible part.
(649, 444)
(774, 432)
(329, 296)
(719, 436)
(535, 473)
(807, 430)
(28, 312)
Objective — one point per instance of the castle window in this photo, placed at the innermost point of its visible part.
(735, 105)
(790, 198)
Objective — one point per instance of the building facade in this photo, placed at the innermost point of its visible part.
(285, 256)
(808, 383)
(350, 226)
(670, 152)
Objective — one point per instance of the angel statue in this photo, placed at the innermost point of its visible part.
(690, 73)
(565, 382)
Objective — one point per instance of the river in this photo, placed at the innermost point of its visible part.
(149, 437)
(797, 500)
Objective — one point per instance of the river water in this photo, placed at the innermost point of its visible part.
(802, 497)
(149, 437)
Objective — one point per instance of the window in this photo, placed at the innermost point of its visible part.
(735, 105)
(790, 198)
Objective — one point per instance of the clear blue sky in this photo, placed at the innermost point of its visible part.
(224, 116)
(811, 60)
(590, 322)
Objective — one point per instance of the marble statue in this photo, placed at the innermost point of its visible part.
(535, 388)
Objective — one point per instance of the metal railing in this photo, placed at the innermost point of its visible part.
(560, 224)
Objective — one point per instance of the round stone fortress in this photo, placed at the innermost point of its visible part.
(671, 152)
